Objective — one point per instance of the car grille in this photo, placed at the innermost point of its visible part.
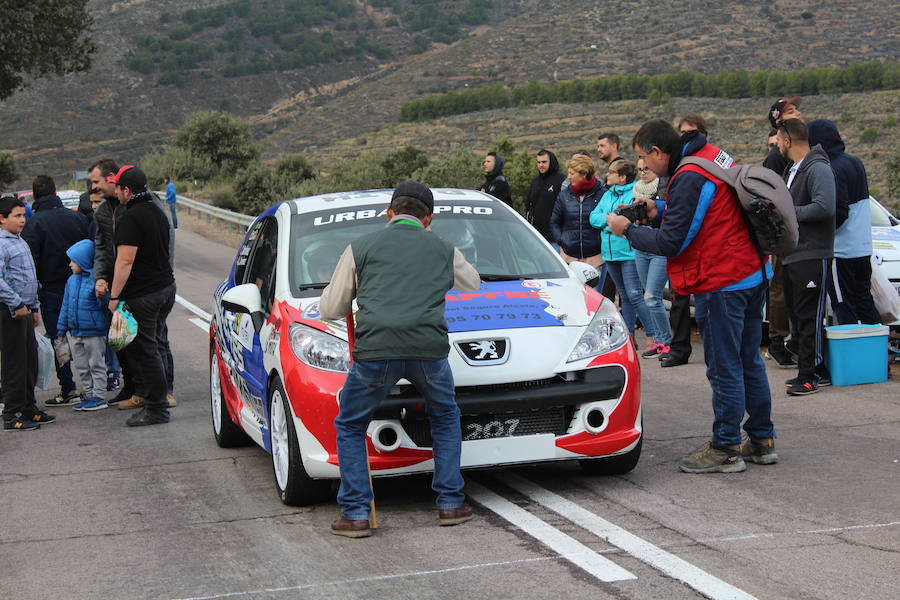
(504, 387)
(554, 419)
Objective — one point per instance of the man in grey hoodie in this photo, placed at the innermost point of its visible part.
(806, 268)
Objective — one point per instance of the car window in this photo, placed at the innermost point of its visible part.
(880, 216)
(261, 266)
(493, 239)
(240, 265)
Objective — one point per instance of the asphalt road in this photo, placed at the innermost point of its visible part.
(92, 509)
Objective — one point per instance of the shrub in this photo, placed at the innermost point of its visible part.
(869, 135)
(219, 138)
(224, 198)
(255, 189)
(294, 168)
(9, 172)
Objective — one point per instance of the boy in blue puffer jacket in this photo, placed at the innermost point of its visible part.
(88, 322)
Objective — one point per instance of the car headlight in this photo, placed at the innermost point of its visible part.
(320, 350)
(605, 333)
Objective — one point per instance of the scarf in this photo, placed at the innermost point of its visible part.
(583, 187)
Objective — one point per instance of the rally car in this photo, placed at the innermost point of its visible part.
(543, 364)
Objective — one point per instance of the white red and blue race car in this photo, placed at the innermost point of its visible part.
(543, 364)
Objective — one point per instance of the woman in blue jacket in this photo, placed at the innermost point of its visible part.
(616, 251)
(569, 224)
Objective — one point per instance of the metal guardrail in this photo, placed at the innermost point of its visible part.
(239, 222)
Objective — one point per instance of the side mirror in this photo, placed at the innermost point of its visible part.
(585, 273)
(245, 299)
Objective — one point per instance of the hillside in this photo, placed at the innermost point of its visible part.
(124, 107)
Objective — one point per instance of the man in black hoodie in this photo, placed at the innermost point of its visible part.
(495, 182)
(542, 193)
(849, 286)
(806, 267)
(49, 233)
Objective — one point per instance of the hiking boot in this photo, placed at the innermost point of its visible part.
(759, 450)
(42, 417)
(146, 417)
(133, 402)
(781, 356)
(91, 404)
(65, 399)
(655, 351)
(351, 528)
(171, 400)
(454, 516)
(710, 459)
(20, 423)
(802, 388)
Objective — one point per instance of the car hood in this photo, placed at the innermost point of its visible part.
(502, 305)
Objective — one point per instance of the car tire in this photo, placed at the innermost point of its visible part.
(613, 465)
(227, 433)
(295, 487)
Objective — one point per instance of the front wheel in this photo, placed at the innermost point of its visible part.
(295, 487)
(613, 465)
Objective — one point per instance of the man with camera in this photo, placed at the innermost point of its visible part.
(701, 216)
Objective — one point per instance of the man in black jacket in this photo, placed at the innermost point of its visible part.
(850, 284)
(495, 182)
(542, 193)
(806, 267)
(49, 233)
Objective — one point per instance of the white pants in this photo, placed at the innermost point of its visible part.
(89, 356)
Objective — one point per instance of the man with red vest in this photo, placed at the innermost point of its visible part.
(711, 255)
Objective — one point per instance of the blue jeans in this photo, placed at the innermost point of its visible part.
(51, 305)
(368, 383)
(174, 211)
(651, 269)
(731, 327)
(625, 276)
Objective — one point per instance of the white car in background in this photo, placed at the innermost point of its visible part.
(886, 241)
(70, 198)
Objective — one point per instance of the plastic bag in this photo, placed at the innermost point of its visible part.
(62, 350)
(46, 365)
(123, 328)
(887, 300)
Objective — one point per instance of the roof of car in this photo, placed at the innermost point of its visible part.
(377, 197)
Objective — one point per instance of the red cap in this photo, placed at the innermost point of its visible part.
(115, 178)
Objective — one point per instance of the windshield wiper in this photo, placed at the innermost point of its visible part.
(495, 277)
(313, 286)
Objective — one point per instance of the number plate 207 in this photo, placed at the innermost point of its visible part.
(489, 429)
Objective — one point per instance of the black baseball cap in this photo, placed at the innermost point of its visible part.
(778, 107)
(131, 177)
(413, 189)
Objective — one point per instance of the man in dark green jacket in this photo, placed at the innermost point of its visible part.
(399, 276)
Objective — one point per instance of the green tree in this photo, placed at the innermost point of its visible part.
(294, 168)
(41, 37)
(9, 172)
(399, 165)
(219, 137)
(460, 169)
(256, 187)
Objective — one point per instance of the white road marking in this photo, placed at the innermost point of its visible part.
(308, 586)
(830, 530)
(193, 308)
(570, 548)
(204, 325)
(708, 585)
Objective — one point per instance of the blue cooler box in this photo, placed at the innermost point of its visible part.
(857, 353)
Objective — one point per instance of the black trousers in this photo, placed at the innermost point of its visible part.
(147, 352)
(18, 364)
(680, 319)
(850, 289)
(805, 290)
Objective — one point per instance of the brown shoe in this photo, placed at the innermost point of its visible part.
(351, 528)
(454, 516)
(171, 400)
(133, 402)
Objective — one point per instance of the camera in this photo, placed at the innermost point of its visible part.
(633, 212)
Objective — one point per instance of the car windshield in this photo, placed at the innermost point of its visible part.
(880, 216)
(493, 239)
